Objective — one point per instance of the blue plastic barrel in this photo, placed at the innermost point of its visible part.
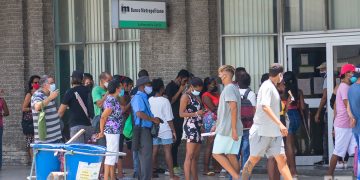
(72, 160)
(45, 161)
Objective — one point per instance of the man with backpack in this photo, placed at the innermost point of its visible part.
(76, 99)
(248, 105)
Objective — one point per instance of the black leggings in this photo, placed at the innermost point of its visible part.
(178, 125)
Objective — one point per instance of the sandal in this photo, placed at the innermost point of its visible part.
(210, 173)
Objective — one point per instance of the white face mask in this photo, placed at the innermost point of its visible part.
(52, 87)
(281, 77)
(106, 84)
(148, 90)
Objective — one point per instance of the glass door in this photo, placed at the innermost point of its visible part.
(338, 54)
(303, 60)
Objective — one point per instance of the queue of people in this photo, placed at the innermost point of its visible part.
(246, 126)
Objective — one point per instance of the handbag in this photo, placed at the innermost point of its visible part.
(128, 127)
(155, 130)
(42, 124)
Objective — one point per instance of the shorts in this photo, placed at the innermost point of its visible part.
(112, 145)
(261, 145)
(84, 138)
(344, 142)
(295, 120)
(209, 121)
(160, 141)
(226, 145)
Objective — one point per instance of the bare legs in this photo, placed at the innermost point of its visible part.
(109, 171)
(191, 159)
(120, 168)
(281, 163)
(290, 153)
(333, 161)
(207, 155)
(229, 163)
(272, 169)
(283, 167)
(249, 166)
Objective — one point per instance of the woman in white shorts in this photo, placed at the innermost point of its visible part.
(110, 126)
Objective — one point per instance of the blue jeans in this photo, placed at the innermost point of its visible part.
(357, 138)
(244, 148)
(136, 162)
(1, 135)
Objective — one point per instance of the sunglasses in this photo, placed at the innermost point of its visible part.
(36, 82)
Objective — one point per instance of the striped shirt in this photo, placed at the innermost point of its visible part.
(52, 119)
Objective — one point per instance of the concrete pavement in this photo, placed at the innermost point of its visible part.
(312, 173)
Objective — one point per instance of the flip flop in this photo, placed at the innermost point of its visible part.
(210, 173)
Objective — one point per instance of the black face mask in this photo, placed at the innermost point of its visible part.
(90, 86)
(215, 89)
(323, 74)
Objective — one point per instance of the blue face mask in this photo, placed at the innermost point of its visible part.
(122, 93)
(148, 90)
(353, 79)
(195, 92)
(52, 87)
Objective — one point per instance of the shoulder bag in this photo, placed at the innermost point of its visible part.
(42, 124)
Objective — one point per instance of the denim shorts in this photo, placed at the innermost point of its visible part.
(159, 141)
(295, 120)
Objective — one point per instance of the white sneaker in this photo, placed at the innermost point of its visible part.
(339, 165)
(222, 173)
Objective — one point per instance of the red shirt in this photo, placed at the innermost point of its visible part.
(214, 98)
(1, 111)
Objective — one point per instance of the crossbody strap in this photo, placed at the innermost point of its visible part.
(81, 102)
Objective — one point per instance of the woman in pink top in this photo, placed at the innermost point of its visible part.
(344, 140)
(4, 111)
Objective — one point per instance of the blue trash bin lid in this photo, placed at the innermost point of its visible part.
(48, 146)
(86, 148)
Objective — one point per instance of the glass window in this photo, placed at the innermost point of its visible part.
(249, 17)
(254, 53)
(344, 14)
(86, 41)
(304, 15)
(249, 35)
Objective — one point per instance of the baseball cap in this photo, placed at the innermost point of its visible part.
(347, 68)
(77, 74)
(143, 80)
(322, 66)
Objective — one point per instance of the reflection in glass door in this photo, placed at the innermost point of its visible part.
(339, 54)
(303, 60)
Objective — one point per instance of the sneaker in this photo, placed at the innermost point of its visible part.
(135, 175)
(321, 163)
(167, 172)
(339, 165)
(178, 170)
(159, 171)
(222, 174)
